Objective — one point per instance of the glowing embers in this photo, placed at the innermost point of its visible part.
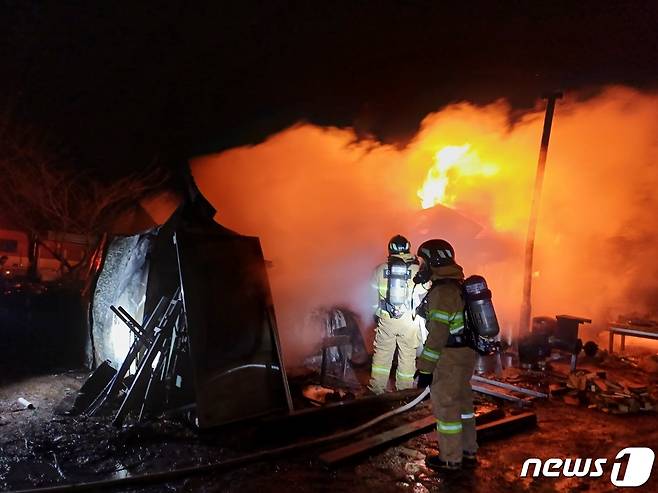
(451, 164)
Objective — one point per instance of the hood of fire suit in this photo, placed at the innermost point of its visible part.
(453, 271)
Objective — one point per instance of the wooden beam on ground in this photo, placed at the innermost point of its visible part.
(503, 385)
(498, 393)
(486, 430)
(487, 422)
(506, 426)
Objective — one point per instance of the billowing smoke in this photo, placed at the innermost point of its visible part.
(325, 203)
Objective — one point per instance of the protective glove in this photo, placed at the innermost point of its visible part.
(424, 379)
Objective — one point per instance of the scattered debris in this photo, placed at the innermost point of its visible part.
(649, 363)
(598, 390)
(341, 348)
(319, 395)
(25, 403)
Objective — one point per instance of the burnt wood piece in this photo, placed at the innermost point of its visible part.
(500, 394)
(503, 385)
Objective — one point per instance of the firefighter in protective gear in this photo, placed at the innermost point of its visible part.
(394, 312)
(446, 362)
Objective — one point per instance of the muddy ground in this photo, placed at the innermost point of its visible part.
(43, 447)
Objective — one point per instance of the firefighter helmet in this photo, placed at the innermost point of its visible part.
(437, 253)
(398, 244)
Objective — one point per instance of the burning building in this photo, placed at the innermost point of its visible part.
(333, 201)
(188, 300)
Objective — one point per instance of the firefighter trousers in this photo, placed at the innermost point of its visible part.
(391, 333)
(452, 403)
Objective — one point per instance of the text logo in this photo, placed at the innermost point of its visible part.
(638, 468)
(638, 462)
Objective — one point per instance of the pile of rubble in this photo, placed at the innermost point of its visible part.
(596, 389)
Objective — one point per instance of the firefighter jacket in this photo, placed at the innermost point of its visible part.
(380, 287)
(445, 314)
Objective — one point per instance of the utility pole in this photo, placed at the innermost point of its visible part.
(526, 306)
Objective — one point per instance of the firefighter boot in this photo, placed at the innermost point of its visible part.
(435, 462)
(469, 459)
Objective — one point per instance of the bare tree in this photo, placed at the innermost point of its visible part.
(40, 193)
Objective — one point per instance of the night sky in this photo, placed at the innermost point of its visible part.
(117, 83)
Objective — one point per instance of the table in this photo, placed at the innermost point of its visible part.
(630, 330)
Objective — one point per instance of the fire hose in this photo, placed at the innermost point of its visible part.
(227, 464)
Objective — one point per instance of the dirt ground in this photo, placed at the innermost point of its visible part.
(43, 447)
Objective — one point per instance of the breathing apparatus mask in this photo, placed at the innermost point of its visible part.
(423, 275)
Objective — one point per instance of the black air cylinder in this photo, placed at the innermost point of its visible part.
(480, 309)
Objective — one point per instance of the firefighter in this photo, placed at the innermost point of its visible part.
(447, 362)
(394, 313)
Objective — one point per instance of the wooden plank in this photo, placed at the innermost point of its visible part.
(336, 456)
(496, 393)
(506, 426)
(503, 385)
(333, 457)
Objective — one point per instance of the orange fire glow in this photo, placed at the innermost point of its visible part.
(452, 165)
(324, 204)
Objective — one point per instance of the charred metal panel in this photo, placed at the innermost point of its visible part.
(236, 360)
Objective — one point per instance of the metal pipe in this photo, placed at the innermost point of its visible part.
(127, 322)
(526, 306)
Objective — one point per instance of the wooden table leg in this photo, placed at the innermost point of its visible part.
(612, 342)
(623, 342)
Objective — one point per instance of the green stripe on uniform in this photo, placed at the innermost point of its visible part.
(449, 427)
(454, 329)
(430, 355)
(456, 323)
(439, 315)
(381, 369)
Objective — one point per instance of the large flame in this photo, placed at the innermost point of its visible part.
(450, 164)
(325, 203)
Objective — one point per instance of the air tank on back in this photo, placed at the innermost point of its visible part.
(398, 274)
(479, 307)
